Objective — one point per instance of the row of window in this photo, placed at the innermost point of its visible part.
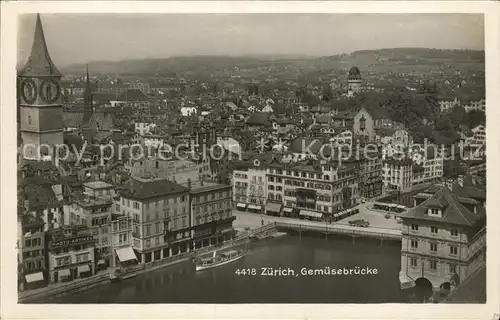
(453, 232)
(33, 254)
(32, 242)
(433, 247)
(137, 205)
(433, 265)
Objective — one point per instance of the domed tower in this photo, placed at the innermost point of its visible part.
(354, 81)
(40, 100)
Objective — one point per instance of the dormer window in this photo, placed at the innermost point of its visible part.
(256, 163)
(434, 212)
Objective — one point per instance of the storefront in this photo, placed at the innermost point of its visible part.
(84, 271)
(310, 215)
(254, 208)
(241, 206)
(35, 280)
(126, 257)
(289, 212)
(273, 209)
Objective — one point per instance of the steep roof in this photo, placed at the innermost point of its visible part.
(152, 189)
(453, 211)
(258, 118)
(133, 95)
(39, 62)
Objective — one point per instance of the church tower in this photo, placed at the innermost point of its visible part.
(40, 100)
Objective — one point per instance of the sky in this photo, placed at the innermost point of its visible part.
(82, 38)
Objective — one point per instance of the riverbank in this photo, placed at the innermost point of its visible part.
(55, 290)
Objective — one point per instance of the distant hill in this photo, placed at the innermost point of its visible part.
(177, 64)
(365, 59)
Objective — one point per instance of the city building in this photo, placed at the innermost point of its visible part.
(95, 215)
(249, 185)
(444, 240)
(160, 213)
(122, 241)
(177, 170)
(446, 105)
(478, 137)
(354, 81)
(70, 253)
(397, 175)
(31, 252)
(317, 189)
(40, 101)
(430, 169)
(476, 105)
(211, 213)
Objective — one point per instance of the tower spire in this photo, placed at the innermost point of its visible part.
(87, 100)
(39, 62)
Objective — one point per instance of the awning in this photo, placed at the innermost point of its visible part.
(254, 207)
(125, 254)
(64, 273)
(84, 268)
(101, 262)
(34, 277)
(287, 209)
(310, 214)
(274, 207)
(241, 205)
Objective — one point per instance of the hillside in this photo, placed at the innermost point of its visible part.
(401, 59)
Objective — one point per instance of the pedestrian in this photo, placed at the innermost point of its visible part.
(262, 222)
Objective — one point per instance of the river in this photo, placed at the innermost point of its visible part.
(182, 284)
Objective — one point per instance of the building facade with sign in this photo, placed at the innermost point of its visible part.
(70, 253)
(211, 213)
(160, 213)
(95, 214)
(121, 240)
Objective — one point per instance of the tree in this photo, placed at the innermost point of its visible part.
(475, 118)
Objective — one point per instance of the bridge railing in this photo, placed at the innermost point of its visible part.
(338, 230)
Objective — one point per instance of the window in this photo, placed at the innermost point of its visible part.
(433, 264)
(454, 232)
(414, 227)
(414, 244)
(413, 262)
(157, 241)
(148, 230)
(29, 119)
(157, 227)
(453, 250)
(433, 247)
(148, 243)
(452, 268)
(434, 230)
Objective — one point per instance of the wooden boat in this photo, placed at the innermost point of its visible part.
(219, 259)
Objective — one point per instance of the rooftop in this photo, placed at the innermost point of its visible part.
(454, 212)
(151, 189)
(97, 185)
(205, 186)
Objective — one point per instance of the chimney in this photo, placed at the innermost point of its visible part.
(189, 183)
(201, 182)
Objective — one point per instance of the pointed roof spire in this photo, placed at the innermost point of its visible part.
(39, 62)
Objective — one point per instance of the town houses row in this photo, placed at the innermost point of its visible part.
(101, 226)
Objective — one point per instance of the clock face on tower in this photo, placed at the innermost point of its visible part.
(28, 90)
(50, 91)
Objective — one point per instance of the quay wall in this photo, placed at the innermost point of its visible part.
(104, 278)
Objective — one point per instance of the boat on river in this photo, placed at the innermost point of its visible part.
(219, 259)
